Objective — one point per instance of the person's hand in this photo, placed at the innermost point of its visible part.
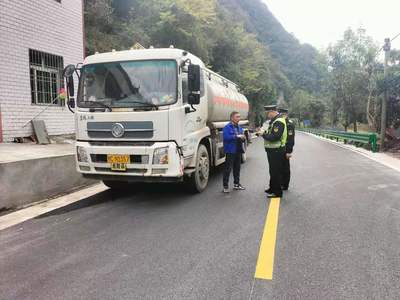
(288, 155)
(241, 136)
(260, 132)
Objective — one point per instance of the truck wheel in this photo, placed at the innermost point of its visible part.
(199, 179)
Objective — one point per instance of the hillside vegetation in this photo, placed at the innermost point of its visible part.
(243, 41)
(240, 39)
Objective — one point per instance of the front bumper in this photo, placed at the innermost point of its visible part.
(141, 166)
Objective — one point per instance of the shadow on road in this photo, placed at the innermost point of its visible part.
(155, 194)
(90, 201)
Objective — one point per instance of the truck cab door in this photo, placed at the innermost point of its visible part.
(195, 119)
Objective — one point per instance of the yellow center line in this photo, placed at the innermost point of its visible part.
(265, 262)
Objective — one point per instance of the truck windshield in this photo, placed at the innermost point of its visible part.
(129, 84)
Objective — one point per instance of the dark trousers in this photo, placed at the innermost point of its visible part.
(276, 165)
(232, 161)
(286, 172)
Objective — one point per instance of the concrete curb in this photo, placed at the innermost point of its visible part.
(38, 209)
(27, 181)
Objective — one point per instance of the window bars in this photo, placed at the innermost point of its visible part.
(46, 77)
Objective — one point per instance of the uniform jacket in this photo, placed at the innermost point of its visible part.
(290, 136)
(276, 132)
(230, 133)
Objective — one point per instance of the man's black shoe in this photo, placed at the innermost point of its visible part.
(239, 187)
(268, 191)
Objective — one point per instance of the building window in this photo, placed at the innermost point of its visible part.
(46, 77)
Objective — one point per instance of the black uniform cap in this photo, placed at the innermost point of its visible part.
(270, 107)
(283, 110)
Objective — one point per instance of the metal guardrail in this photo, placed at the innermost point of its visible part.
(358, 138)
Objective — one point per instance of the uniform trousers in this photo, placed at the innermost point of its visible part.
(276, 158)
(286, 172)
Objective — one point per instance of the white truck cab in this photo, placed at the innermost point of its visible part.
(150, 115)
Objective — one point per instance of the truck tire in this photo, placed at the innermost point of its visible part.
(199, 179)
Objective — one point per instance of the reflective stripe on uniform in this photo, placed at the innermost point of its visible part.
(282, 141)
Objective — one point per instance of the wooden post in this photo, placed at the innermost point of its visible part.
(386, 48)
(1, 128)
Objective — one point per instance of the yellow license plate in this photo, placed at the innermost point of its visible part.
(118, 162)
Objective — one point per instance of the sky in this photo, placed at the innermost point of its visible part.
(322, 22)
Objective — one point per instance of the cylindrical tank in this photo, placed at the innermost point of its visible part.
(222, 100)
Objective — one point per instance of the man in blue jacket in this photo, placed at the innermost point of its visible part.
(233, 147)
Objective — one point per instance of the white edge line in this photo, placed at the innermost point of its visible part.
(31, 212)
(354, 149)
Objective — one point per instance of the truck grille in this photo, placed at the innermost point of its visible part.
(136, 130)
(121, 143)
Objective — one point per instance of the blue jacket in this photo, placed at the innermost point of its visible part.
(230, 138)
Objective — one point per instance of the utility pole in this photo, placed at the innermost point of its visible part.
(386, 48)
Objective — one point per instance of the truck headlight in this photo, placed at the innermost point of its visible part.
(160, 156)
(82, 154)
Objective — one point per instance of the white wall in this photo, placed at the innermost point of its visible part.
(43, 25)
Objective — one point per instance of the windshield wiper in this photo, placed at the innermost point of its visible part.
(99, 104)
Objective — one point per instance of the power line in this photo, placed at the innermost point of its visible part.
(391, 40)
(395, 37)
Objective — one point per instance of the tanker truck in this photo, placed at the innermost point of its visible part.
(150, 115)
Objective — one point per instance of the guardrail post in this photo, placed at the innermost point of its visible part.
(373, 141)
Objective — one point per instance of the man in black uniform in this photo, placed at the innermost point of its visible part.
(289, 148)
(275, 146)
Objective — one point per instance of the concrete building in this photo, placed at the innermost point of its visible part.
(37, 39)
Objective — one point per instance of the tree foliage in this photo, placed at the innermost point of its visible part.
(351, 61)
(299, 63)
(306, 106)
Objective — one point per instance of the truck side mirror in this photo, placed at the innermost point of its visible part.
(194, 78)
(71, 103)
(70, 86)
(68, 73)
(194, 99)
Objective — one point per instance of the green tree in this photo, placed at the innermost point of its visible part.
(349, 61)
(306, 106)
(316, 110)
(101, 26)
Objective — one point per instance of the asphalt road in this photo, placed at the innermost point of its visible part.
(338, 238)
